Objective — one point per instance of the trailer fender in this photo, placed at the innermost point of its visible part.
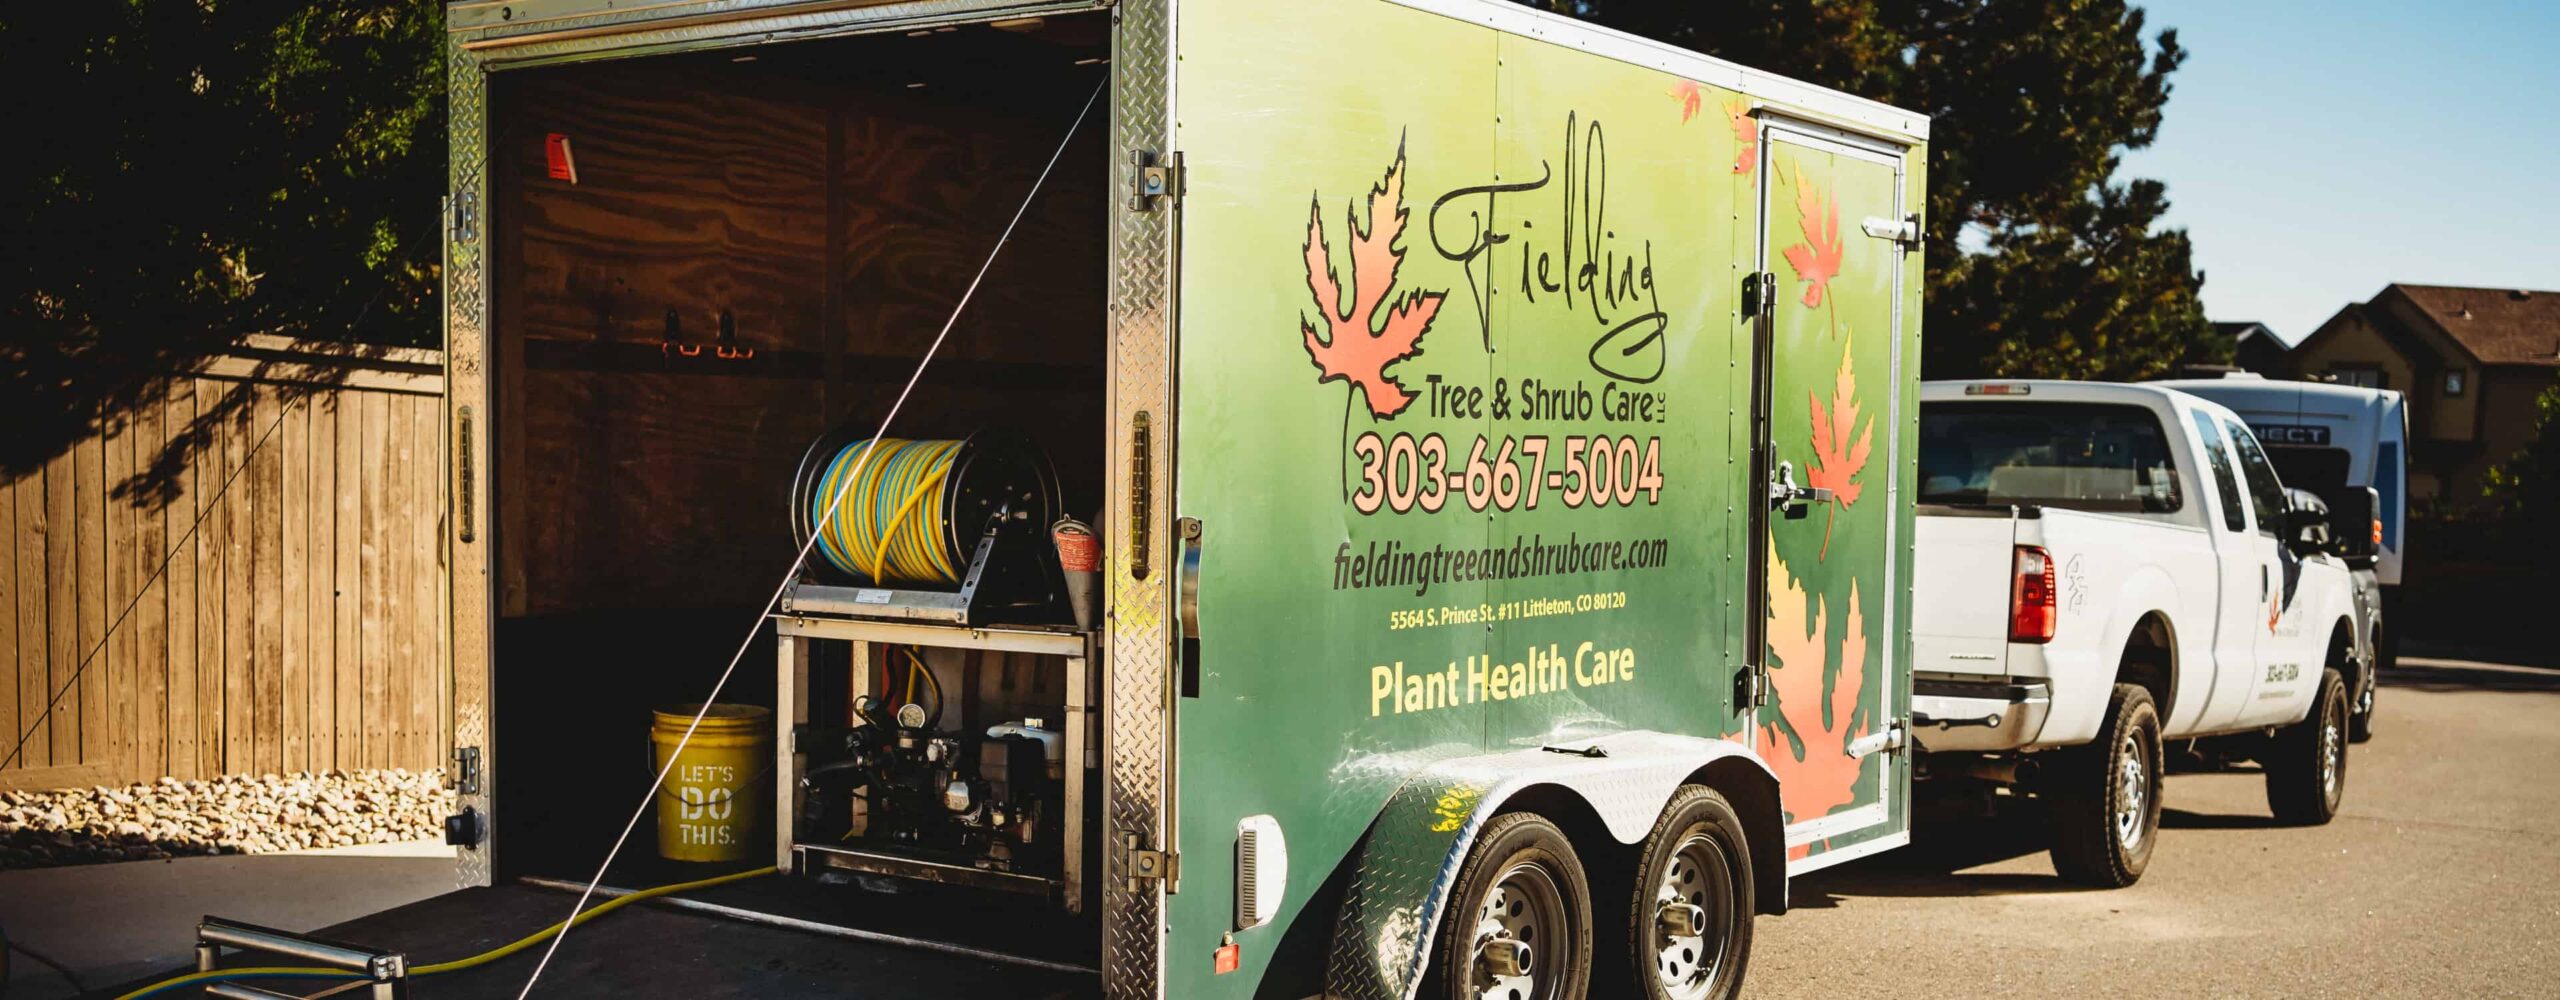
(1404, 869)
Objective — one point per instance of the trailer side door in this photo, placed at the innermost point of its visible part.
(1837, 349)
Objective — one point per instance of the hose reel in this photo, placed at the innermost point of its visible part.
(941, 530)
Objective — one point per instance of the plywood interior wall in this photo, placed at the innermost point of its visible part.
(283, 612)
(837, 214)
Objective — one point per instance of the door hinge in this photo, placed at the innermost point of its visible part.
(1143, 865)
(1894, 736)
(462, 217)
(1904, 232)
(1750, 688)
(1759, 294)
(466, 770)
(1153, 181)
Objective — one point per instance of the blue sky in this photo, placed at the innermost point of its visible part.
(2318, 151)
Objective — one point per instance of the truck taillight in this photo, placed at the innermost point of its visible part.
(2031, 607)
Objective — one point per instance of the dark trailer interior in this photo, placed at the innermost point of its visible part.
(702, 263)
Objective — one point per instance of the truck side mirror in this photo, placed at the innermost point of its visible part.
(2306, 522)
(2355, 524)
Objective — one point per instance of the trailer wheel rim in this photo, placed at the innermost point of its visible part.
(2133, 791)
(1699, 875)
(1519, 931)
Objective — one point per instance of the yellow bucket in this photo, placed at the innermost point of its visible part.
(720, 791)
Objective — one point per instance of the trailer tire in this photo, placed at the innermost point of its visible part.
(2106, 795)
(1522, 906)
(2306, 762)
(1697, 857)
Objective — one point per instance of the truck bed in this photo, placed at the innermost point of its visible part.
(647, 950)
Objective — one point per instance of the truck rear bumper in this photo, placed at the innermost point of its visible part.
(1977, 713)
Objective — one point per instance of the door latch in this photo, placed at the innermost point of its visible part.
(1151, 179)
(1904, 232)
(1142, 864)
(1893, 737)
(1795, 500)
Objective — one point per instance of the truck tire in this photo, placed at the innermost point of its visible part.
(1520, 923)
(2307, 762)
(2360, 721)
(1689, 918)
(2106, 795)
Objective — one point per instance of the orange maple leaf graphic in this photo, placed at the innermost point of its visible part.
(1818, 258)
(1837, 461)
(1357, 347)
(1815, 772)
(1690, 97)
(1746, 136)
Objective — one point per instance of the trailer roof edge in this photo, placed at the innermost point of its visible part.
(1824, 102)
(506, 23)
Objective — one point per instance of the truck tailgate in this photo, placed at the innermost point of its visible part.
(1960, 608)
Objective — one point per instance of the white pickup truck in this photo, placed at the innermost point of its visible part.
(2103, 569)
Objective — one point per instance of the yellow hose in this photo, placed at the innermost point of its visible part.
(457, 965)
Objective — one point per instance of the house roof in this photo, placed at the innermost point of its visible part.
(2497, 326)
(2243, 329)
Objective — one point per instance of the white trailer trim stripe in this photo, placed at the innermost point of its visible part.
(1826, 859)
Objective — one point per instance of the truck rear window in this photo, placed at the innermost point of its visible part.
(2080, 456)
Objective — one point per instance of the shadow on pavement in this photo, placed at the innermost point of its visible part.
(2180, 819)
(2466, 675)
(1937, 862)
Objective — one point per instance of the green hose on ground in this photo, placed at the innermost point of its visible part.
(439, 968)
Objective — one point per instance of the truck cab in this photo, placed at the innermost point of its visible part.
(2349, 445)
(2112, 567)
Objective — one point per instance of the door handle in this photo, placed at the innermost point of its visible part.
(1795, 500)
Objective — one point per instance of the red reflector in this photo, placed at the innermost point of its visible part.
(1230, 958)
(2377, 531)
(2031, 601)
(555, 151)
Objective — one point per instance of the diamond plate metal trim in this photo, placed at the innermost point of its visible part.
(466, 384)
(1137, 726)
(1408, 864)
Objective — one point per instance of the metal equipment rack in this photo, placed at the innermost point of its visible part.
(800, 623)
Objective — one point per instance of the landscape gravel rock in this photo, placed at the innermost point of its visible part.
(234, 814)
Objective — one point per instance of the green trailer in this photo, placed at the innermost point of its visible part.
(1470, 404)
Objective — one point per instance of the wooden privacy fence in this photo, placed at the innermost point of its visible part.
(283, 611)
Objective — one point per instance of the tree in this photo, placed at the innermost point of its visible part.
(2041, 262)
(188, 173)
(2525, 490)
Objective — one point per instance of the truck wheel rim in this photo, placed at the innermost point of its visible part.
(1697, 881)
(1519, 930)
(2332, 753)
(2133, 792)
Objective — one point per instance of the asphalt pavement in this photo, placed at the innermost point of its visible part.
(2440, 877)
